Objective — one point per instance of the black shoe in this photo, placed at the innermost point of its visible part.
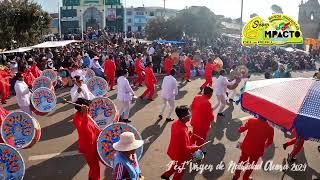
(221, 114)
(126, 121)
(164, 177)
(169, 119)
(231, 100)
(204, 153)
(160, 116)
(150, 99)
(188, 80)
(227, 94)
(284, 146)
(141, 97)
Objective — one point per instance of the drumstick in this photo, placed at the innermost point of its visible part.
(69, 102)
(205, 143)
(198, 136)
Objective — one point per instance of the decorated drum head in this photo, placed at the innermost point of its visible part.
(12, 166)
(109, 136)
(20, 130)
(98, 86)
(42, 81)
(49, 73)
(43, 100)
(89, 74)
(103, 111)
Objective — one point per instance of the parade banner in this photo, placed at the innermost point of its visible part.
(89, 73)
(109, 136)
(103, 111)
(98, 86)
(43, 100)
(111, 14)
(20, 130)
(280, 29)
(49, 73)
(12, 166)
(42, 81)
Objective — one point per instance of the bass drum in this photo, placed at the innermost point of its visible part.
(12, 166)
(43, 101)
(98, 86)
(109, 136)
(51, 74)
(41, 81)
(20, 130)
(103, 111)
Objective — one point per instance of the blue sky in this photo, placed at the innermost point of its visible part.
(229, 8)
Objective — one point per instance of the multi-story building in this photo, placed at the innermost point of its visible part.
(309, 19)
(82, 14)
(138, 17)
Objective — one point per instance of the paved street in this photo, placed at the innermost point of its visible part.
(55, 157)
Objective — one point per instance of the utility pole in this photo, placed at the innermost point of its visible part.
(59, 17)
(241, 21)
(164, 8)
(125, 19)
(104, 14)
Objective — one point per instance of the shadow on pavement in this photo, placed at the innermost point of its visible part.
(11, 107)
(226, 122)
(59, 129)
(63, 168)
(309, 173)
(181, 94)
(151, 133)
(268, 154)
(138, 105)
(64, 108)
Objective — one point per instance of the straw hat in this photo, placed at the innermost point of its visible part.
(127, 142)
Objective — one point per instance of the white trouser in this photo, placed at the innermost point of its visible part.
(171, 106)
(125, 109)
(221, 101)
(26, 109)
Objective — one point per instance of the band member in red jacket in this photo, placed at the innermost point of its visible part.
(110, 71)
(168, 64)
(210, 67)
(28, 76)
(88, 133)
(180, 149)
(298, 142)
(202, 116)
(259, 136)
(150, 81)
(187, 68)
(138, 69)
(4, 85)
(3, 114)
(34, 68)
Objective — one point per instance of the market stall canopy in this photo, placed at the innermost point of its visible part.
(50, 44)
(19, 50)
(169, 42)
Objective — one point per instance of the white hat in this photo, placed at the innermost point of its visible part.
(127, 142)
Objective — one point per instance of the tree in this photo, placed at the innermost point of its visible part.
(22, 21)
(276, 9)
(163, 28)
(253, 15)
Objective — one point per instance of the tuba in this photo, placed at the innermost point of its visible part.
(240, 72)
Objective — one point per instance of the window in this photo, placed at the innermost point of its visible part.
(151, 14)
(139, 13)
(69, 13)
(129, 29)
(129, 13)
(139, 28)
(312, 16)
(129, 20)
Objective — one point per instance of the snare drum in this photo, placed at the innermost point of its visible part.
(109, 136)
(12, 166)
(98, 86)
(103, 111)
(20, 130)
(43, 101)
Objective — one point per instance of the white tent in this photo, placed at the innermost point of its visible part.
(19, 50)
(50, 44)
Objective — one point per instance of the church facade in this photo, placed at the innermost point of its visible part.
(309, 19)
(78, 15)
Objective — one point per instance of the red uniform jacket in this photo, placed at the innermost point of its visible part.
(180, 147)
(202, 114)
(3, 114)
(168, 63)
(209, 69)
(187, 64)
(35, 71)
(138, 66)
(88, 133)
(150, 78)
(28, 77)
(259, 136)
(110, 68)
